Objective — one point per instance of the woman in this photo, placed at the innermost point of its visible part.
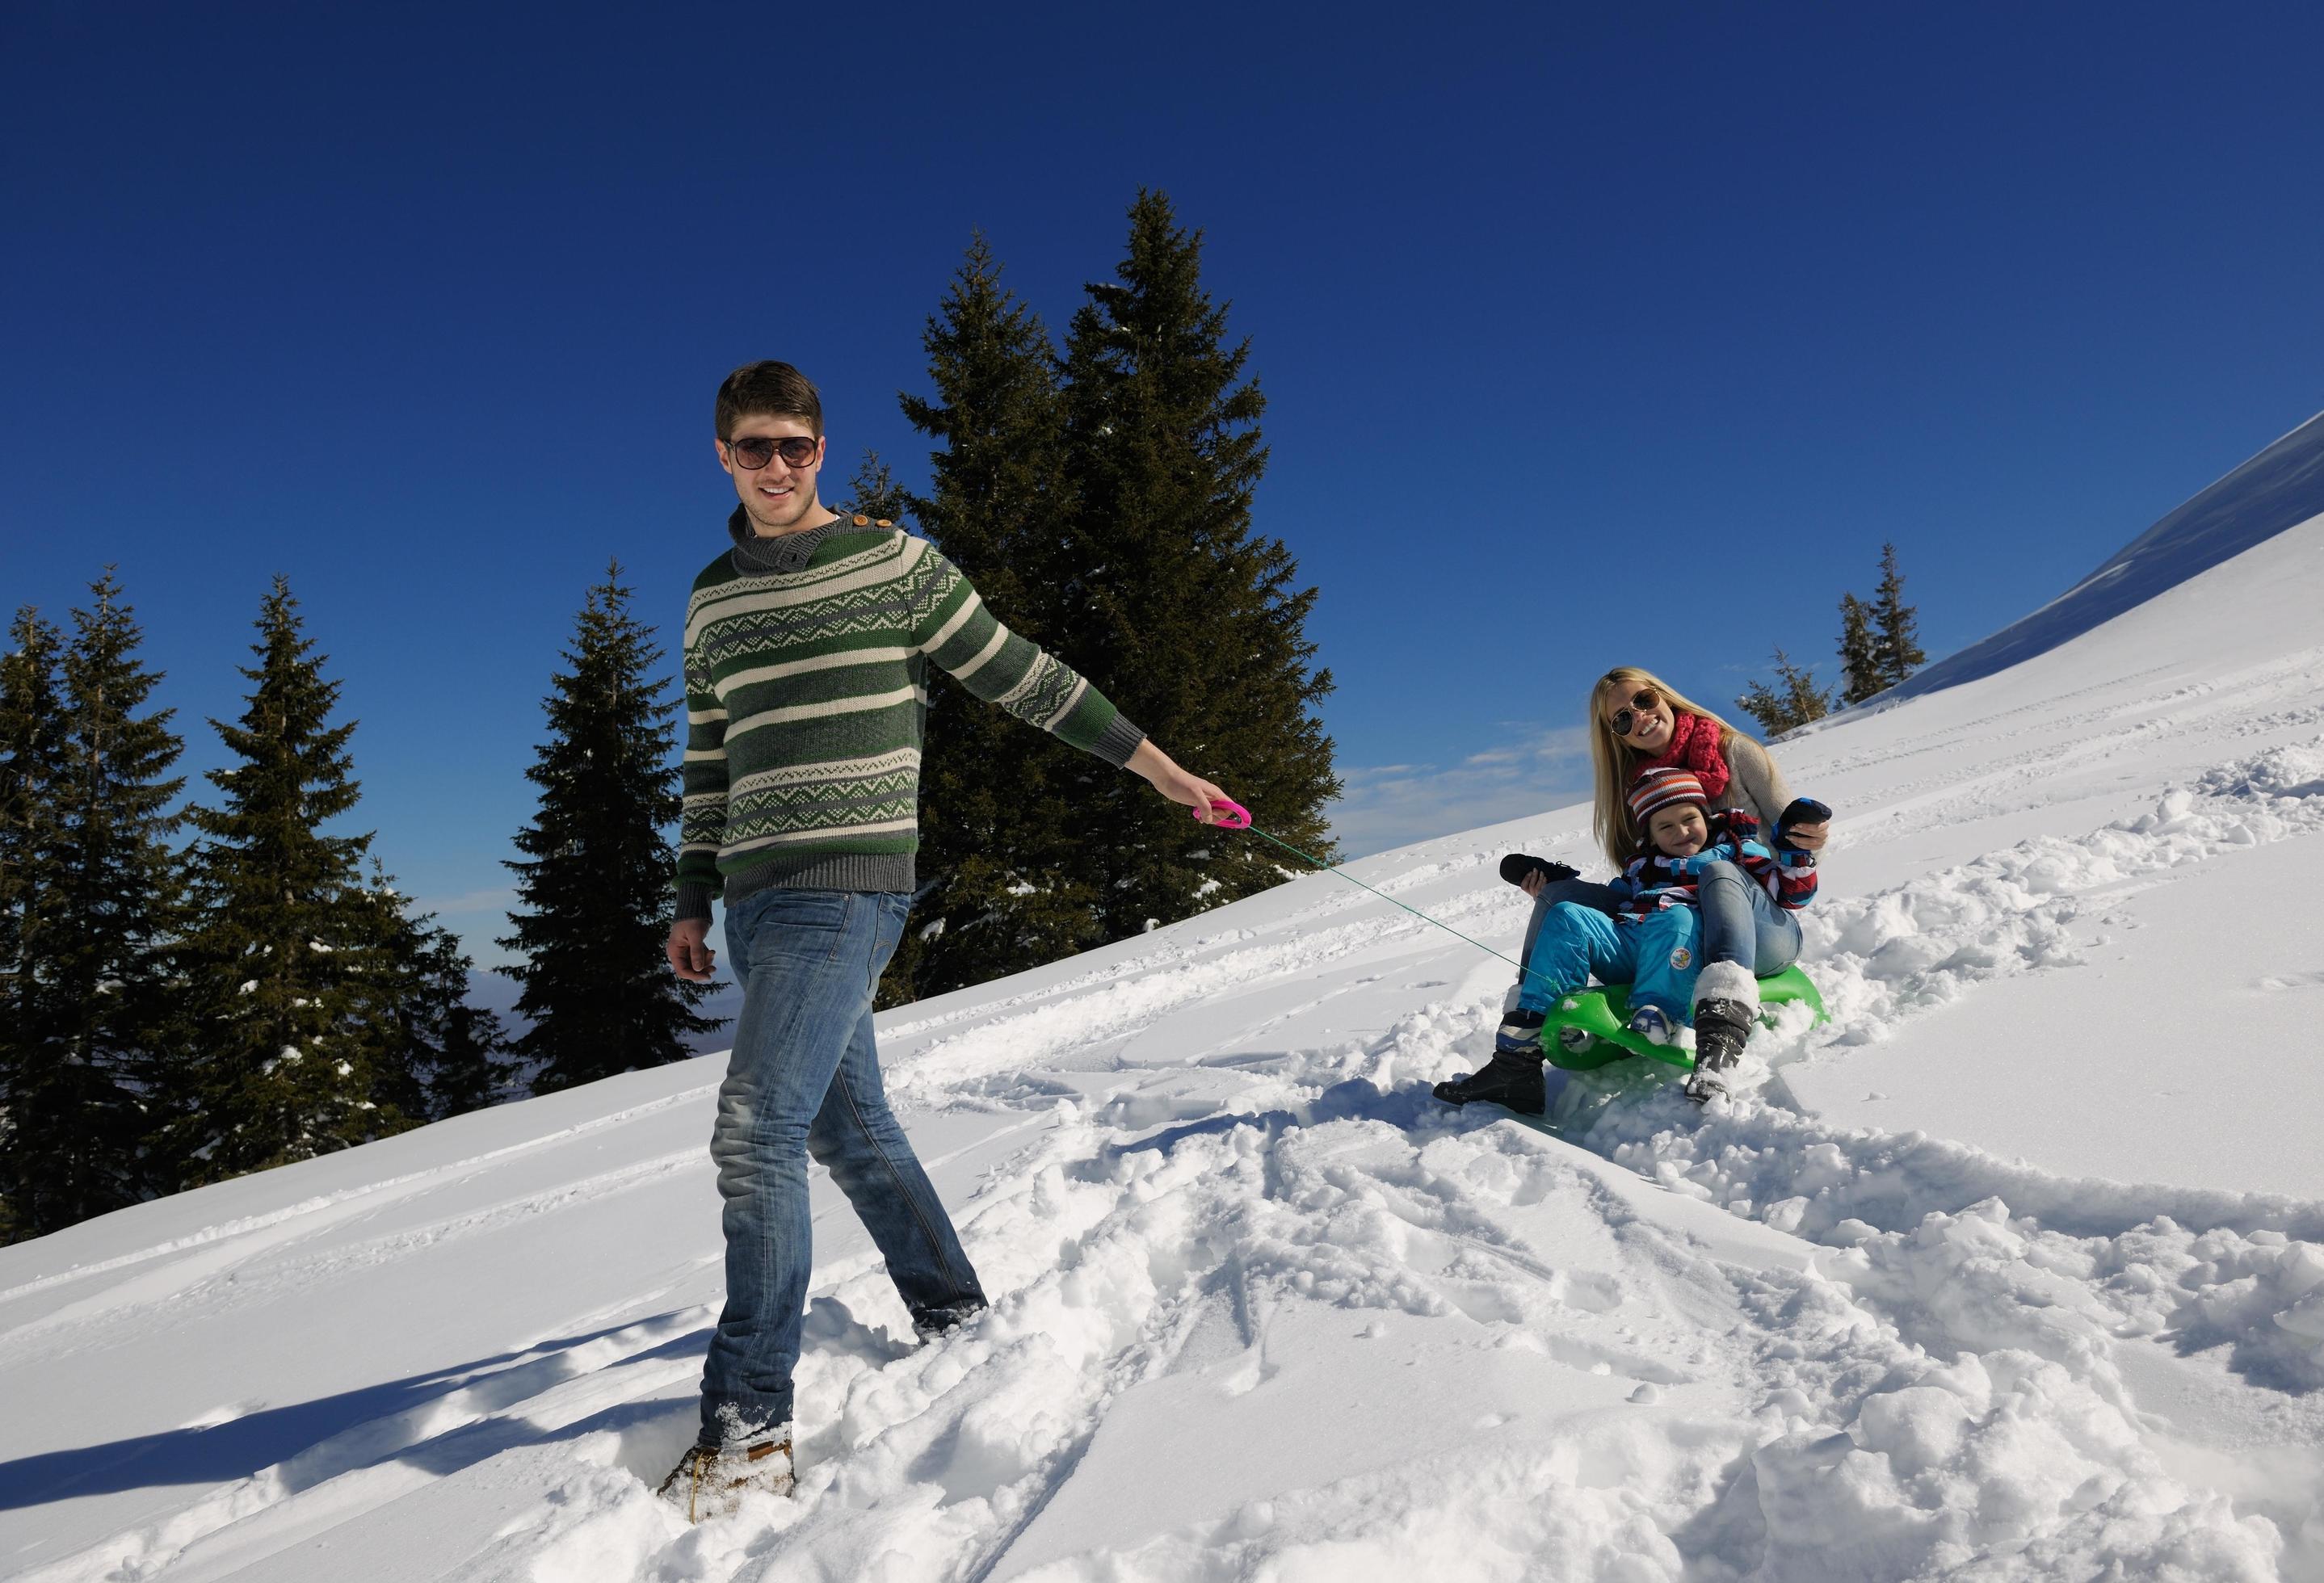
(1637, 722)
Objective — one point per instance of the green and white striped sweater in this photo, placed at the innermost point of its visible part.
(806, 663)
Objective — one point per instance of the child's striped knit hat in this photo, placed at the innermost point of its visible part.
(1657, 789)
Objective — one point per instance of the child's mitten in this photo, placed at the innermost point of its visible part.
(1800, 811)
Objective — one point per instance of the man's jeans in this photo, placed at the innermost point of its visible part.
(805, 1080)
(1741, 922)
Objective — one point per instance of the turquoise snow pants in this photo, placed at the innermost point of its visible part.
(1657, 955)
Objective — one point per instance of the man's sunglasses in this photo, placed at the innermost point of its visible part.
(1644, 699)
(757, 451)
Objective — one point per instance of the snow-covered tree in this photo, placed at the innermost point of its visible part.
(33, 751)
(95, 1014)
(283, 966)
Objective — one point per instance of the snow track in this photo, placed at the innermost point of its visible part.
(1264, 1309)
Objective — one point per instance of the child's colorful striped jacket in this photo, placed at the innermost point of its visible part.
(1655, 881)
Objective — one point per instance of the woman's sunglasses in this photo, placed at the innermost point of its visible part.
(757, 451)
(1625, 719)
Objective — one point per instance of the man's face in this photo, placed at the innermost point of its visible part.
(1679, 830)
(778, 498)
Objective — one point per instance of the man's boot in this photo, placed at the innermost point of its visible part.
(711, 1482)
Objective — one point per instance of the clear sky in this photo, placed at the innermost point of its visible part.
(1590, 335)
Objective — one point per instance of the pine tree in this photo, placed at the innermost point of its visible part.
(1794, 702)
(1188, 621)
(32, 758)
(433, 1054)
(283, 1066)
(83, 1065)
(1002, 880)
(1859, 664)
(595, 877)
(1895, 626)
(463, 1042)
(874, 493)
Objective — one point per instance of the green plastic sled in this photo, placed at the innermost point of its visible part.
(1584, 1031)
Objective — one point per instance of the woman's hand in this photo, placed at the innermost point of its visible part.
(1808, 838)
(1532, 883)
(1163, 772)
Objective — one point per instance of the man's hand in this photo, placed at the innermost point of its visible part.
(689, 953)
(1174, 783)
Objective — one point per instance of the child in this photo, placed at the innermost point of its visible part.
(1651, 940)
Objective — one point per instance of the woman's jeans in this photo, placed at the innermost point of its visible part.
(804, 1080)
(1741, 922)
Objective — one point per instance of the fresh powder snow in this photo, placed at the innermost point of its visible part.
(2014, 1269)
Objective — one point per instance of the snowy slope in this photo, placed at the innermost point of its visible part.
(2016, 1269)
(2279, 488)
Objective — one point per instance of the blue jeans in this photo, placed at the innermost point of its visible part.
(1656, 955)
(805, 1080)
(1741, 922)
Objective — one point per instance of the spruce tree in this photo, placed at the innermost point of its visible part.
(1859, 663)
(1895, 626)
(1194, 625)
(1793, 702)
(33, 757)
(596, 876)
(282, 966)
(874, 493)
(435, 1055)
(1005, 810)
(102, 906)
(463, 1043)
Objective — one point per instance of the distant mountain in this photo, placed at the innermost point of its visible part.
(2279, 488)
(497, 993)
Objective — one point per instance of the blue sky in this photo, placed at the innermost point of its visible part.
(1588, 337)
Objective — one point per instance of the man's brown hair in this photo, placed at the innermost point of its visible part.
(768, 389)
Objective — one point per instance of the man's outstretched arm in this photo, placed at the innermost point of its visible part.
(1161, 770)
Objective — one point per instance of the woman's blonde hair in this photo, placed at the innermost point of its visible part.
(1616, 762)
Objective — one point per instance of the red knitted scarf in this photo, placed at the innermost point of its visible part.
(1694, 745)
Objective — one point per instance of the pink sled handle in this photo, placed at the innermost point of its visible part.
(1231, 814)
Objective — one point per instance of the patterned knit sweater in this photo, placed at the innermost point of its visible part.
(806, 662)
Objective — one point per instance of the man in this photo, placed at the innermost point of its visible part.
(806, 651)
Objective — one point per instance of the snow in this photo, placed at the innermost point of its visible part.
(2014, 1270)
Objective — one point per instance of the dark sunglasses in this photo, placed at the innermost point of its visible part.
(1644, 699)
(756, 452)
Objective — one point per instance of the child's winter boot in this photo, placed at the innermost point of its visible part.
(1653, 1024)
(1513, 1076)
(1517, 868)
